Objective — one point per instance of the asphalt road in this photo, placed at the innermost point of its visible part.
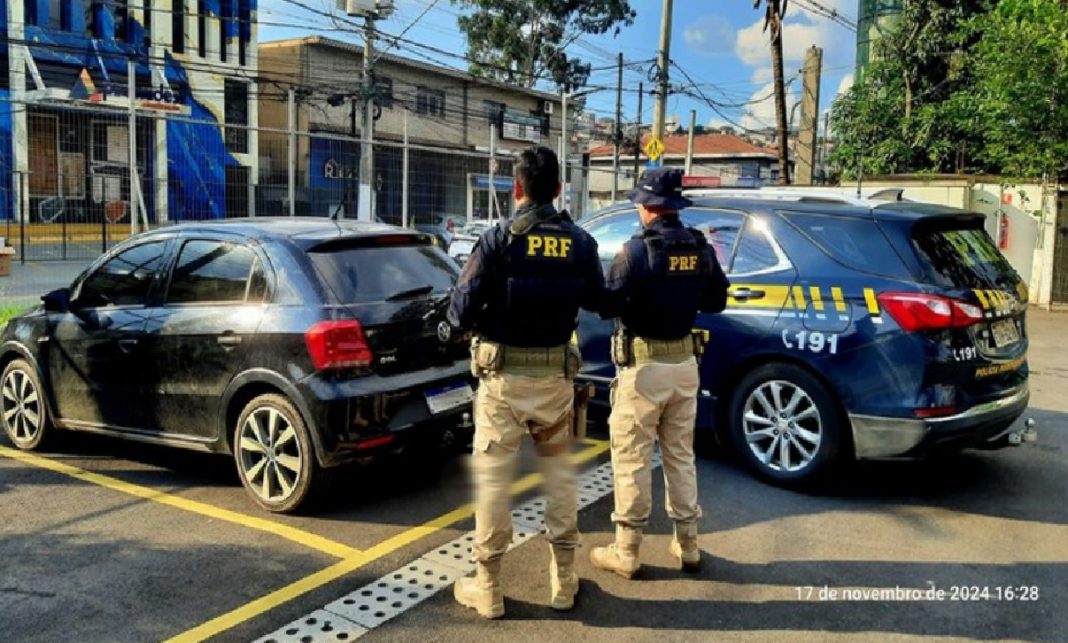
(108, 541)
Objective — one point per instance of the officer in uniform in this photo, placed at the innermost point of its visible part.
(520, 293)
(655, 286)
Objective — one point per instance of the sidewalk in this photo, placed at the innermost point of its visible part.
(28, 281)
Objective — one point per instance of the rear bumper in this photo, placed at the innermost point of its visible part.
(886, 437)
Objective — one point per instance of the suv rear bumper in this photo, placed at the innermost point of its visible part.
(886, 437)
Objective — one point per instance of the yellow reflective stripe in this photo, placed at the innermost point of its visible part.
(839, 301)
(873, 303)
(817, 299)
(799, 298)
(983, 301)
(775, 296)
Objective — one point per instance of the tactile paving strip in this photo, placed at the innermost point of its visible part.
(368, 607)
(320, 626)
(381, 600)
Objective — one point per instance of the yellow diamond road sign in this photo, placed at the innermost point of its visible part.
(653, 148)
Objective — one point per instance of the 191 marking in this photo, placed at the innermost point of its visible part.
(813, 341)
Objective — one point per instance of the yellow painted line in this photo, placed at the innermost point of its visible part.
(281, 596)
(293, 534)
(873, 303)
(817, 299)
(839, 300)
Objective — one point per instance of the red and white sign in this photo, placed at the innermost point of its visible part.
(700, 181)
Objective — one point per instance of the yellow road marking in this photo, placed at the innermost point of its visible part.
(839, 301)
(817, 299)
(873, 303)
(298, 536)
(285, 594)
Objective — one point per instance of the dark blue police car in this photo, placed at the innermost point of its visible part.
(854, 329)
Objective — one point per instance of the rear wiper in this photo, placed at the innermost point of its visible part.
(412, 292)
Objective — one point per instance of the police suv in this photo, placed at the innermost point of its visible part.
(854, 328)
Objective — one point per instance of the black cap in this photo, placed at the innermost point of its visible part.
(660, 187)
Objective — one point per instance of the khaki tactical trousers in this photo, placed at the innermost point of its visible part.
(654, 401)
(508, 407)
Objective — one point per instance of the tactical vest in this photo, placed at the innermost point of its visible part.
(666, 295)
(538, 285)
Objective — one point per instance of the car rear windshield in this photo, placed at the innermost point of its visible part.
(365, 274)
(963, 257)
(855, 243)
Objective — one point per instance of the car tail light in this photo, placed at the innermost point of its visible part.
(915, 311)
(338, 344)
(934, 411)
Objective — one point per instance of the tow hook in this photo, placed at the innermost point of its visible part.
(1027, 434)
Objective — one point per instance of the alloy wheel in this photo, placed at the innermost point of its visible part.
(782, 426)
(270, 454)
(21, 407)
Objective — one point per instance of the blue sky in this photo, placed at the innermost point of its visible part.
(720, 43)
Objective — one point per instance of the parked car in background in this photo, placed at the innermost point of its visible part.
(854, 329)
(294, 345)
(465, 237)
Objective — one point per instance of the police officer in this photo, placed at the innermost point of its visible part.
(520, 292)
(655, 286)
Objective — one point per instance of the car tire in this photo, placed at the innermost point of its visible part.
(274, 454)
(785, 425)
(23, 410)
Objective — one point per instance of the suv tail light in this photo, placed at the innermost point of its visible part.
(338, 344)
(915, 311)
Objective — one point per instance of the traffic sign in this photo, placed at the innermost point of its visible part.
(653, 148)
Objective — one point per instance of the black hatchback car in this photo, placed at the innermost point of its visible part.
(295, 345)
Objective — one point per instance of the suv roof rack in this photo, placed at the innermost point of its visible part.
(801, 196)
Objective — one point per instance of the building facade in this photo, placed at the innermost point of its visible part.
(452, 119)
(874, 18)
(113, 110)
(722, 159)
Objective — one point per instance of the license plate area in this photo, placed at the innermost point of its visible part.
(1004, 333)
(448, 397)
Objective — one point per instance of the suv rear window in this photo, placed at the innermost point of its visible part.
(963, 257)
(855, 243)
(362, 274)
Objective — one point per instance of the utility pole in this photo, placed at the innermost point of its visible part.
(562, 199)
(773, 23)
(810, 114)
(404, 174)
(689, 141)
(367, 162)
(638, 136)
(618, 133)
(663, 62)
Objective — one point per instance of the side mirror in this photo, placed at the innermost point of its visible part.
(57, 301)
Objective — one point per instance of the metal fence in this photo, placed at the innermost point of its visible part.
(89, 183)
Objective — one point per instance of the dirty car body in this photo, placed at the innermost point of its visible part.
(336, 330)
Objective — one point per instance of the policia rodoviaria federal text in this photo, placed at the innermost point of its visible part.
(520, 293)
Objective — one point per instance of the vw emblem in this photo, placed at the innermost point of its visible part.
(444, 332)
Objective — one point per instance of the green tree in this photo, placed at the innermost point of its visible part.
(523, 41)
(909, 111)
(1021, 67)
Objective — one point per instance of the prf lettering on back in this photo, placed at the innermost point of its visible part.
(545, 246)
(687, 263)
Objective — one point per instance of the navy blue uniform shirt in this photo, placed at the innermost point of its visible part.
(526, 289)
(660, 299)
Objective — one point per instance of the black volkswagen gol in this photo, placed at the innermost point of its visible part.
(295, 345)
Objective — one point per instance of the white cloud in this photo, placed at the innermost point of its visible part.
(753, 45)
(709, 35)
(762, 75)
(844, 86)
(761, 112)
